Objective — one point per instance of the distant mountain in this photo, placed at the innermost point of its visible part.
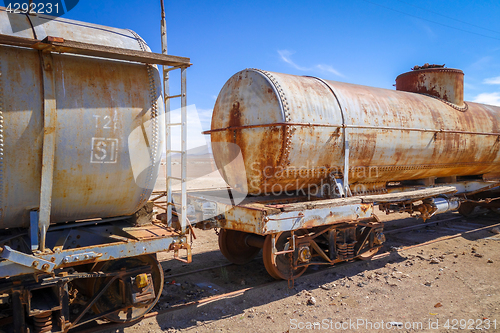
(202, 150)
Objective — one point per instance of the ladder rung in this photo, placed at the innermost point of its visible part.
(174, 151)
(174, 96)
(176, 178)
(174, 124)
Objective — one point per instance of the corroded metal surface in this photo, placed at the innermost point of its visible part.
(392, 135)
(271, 214)
(443, 83)
(108, 129)
(92, 244)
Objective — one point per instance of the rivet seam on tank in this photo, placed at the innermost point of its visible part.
(284, 161)
(154, 121)
(1, 142)
(456, 107)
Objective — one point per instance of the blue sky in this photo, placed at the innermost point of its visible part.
(365, 42)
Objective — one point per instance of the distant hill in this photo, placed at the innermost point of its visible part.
(202, 150)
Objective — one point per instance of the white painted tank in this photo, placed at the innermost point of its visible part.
(109, 129)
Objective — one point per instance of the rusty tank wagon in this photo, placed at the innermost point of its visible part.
(307, 161)
(82, 128)
(316, 157)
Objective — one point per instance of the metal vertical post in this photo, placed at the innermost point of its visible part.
(347, 189)
(163, 30)
(183, 150)
(18, 311)
(346, 169)
(168, 128)
(49, 146)
(168, 157)
(182, 213)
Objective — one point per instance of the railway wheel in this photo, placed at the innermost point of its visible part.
(233, 245)
(282, 268)
(113, 297)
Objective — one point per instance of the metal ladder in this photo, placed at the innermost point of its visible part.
(182, 212)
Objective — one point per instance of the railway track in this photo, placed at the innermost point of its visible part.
(444, 229)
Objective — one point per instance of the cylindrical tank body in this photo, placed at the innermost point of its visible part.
(290, 130)
(109, 124)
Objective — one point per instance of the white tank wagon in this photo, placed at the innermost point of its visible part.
(106, 117)
(82, 127)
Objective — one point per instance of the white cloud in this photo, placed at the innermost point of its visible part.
(286, 57)
(205, 117)
(482, 63)
(492, 80)
(198, 120)
(329, 69)
(488, 98)
(424, 27)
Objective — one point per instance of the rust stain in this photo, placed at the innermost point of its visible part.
(235, 115)
(365, 207)
(445, 83)
(310, 223)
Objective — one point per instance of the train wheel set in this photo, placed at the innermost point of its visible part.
(286, 255)
(84, 289)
